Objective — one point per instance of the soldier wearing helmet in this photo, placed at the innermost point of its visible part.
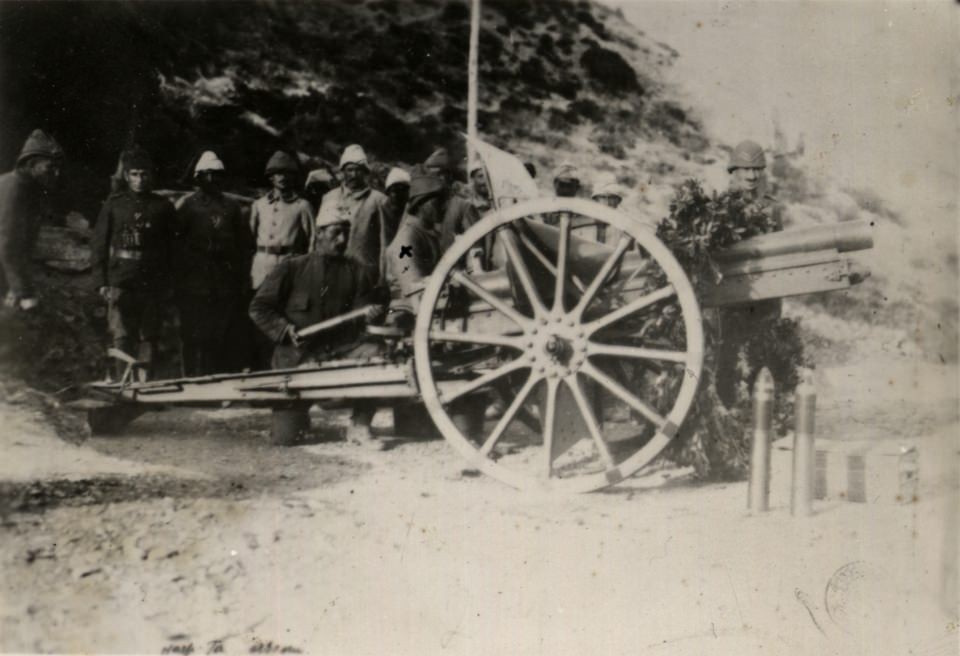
(131, 257)
(747, 168)
(213, 245)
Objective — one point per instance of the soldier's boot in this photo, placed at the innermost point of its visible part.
(359, 432)
(290, 424)
(119, 367)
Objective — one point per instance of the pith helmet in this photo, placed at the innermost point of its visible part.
(747, 155)
(354, 154)
(282, 161)
(208, 162)
(396, 176)
(40, 144)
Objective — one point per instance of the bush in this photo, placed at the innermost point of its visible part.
(609, 71)
(714, 437)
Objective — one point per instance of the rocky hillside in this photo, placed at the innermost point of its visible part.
(558, 79)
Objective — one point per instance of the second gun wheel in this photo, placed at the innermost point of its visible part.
(594, 350)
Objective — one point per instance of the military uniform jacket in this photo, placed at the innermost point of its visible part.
(22, 202)
(459, 215)
(410, 259)
(213, 246)
(372, 221)
(311, 288)
(132, 242)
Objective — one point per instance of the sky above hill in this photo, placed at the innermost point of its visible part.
(873, 86)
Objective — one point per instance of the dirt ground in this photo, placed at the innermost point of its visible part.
(188, 534)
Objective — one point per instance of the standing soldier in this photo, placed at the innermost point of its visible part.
(213, 245)
(281, 223)
(131, 258)
(479, 189)
(459, 214)
(23, 200)
(397, 188)
(608, 192)
(747, 168)
(372, 223)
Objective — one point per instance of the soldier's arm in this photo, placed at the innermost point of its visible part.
(100, 246)
(307, 223)
(13, 260)
(245, 247)
(167, 245)
(266, 308)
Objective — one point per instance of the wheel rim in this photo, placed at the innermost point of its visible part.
(556, 353)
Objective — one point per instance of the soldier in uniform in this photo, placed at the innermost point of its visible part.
(372, 221)
(397, 188)
(459, 214)
(416, 249)
(311, 288)
(479, 189)
(213, 245)
(281, 223)
(24, 198)
(131, 258)
(747, 169)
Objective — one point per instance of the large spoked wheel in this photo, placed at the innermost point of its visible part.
(594, 350)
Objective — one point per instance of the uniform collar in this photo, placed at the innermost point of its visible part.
(274, 196)
(355, 195)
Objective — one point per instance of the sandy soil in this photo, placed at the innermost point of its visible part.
(189, 535)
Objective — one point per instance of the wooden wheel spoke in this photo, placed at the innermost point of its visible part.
(633, 306)
(622, 245)
(594, 348)
(620, 391)
(523, 273)
(590, 419)
(476, 338)
(548, 419)
(508, 415)
(492, 300)
(485, 379)
(547, 264)
(562, 254)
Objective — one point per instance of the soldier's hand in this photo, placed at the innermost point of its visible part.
(374, 313)
(11, 300)
(108, 293)
(292, 335)
(27, 304)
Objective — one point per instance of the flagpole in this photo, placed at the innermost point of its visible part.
(472, 75)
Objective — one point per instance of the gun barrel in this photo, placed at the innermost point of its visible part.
(844, 237)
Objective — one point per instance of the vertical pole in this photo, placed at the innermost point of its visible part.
(801, 500)
(758, 499)
(472, 76)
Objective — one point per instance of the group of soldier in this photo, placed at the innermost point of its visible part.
(288, 263)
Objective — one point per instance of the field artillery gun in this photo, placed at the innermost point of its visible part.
(596, 350)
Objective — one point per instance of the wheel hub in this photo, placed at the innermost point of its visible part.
(557, 346)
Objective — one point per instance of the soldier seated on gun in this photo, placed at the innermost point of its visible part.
(311, 288)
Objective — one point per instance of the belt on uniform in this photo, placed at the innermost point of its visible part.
(126, 254)
(275, 250)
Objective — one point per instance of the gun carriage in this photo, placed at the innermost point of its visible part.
(596, 350)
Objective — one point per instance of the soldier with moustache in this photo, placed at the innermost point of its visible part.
(131, 258)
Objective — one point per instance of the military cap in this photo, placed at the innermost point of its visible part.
(747, 155)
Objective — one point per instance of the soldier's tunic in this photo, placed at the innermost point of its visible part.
(410, 259)
(212, 254)
(372, 222)
(308, 289)
(458, 217)
(739, 323)
(282, 228)
(22, 203)
(131, 255)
